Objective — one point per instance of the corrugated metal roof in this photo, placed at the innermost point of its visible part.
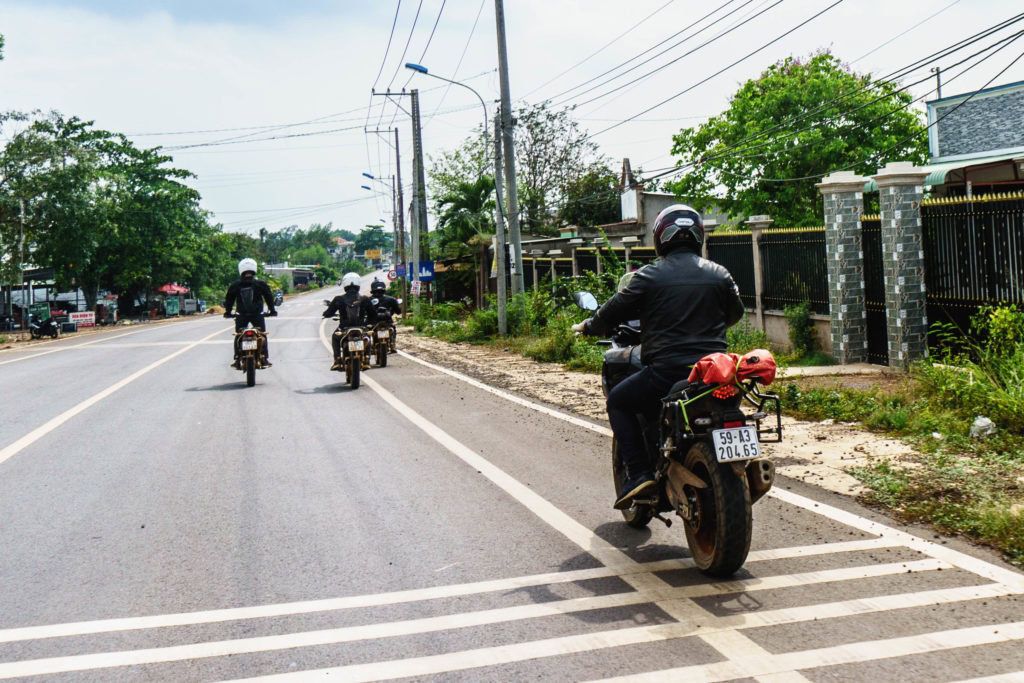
(937, 172)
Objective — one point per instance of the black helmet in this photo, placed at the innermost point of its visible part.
(378, 286)
(678, 226)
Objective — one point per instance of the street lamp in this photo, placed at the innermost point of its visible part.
(500, 251)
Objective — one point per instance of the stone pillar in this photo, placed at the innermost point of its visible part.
(598, 241)
(553, 253)
(757, 224)
(536, 253)
(709, 227)
(574, 244)
(843, 193)
(900, 188)
(627, 243)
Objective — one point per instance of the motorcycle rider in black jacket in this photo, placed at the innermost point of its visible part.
(353, 310)
(380, 299)
(685, 304)
(250, 293)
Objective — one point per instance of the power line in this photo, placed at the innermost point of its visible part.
(900, 35)
(458, 66)
(599, 50)
(388, 48)
(673, 61)
(274, 137)
(653, 47)
(720, 71)
(429, 40)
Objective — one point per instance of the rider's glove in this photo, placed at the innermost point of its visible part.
(579, 328)
(272, 314)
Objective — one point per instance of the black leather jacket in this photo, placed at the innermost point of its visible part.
(684, 303)
(353, 309)
(249, 294)
(384, 301)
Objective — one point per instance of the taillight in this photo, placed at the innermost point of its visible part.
(249, 333)
(729, 425)
(724, 391)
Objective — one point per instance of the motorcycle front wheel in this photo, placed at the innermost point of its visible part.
(638, 516)
(250, 371)
(719, 532)
(382, 355)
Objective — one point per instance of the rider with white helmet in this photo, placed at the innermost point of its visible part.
(353, 310)
(248, 294)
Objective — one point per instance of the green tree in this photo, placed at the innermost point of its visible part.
(1, 47)
(372, 237)
(592, 199)
(465, 226)
(843, 124)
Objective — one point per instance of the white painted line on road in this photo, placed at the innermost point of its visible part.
(140, 345)
(1013, 677)
(955, 557)
(867, 651)
(720, 628)
(571, 419)
(397, 597)
(39, 432)
(52, 665)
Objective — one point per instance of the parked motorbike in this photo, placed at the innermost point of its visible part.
(38, 329)
(278, 298)
(250, 351)
(706, 455)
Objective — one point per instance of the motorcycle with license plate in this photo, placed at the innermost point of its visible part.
(382, 336)
(250, 352)
(704, 449)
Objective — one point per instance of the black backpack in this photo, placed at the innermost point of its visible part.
(350, 313)
(248, 300)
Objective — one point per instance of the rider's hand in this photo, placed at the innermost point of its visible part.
(579, 327)
(272, 314)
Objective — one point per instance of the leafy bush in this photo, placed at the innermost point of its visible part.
(801, 328)
(743, 337)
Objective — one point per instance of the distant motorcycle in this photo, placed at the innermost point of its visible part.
(46, 328)
(250, 351)
(382, 337)
(278, 298)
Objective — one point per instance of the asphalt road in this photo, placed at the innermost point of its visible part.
(161, 521)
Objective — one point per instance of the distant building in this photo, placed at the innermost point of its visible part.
(342, 248)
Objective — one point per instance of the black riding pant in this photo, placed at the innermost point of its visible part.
(259, 322)
(638, 394)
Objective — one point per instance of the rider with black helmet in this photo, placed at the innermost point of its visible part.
(685, 304)
(380, 299)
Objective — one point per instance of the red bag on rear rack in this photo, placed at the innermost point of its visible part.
(718, 368)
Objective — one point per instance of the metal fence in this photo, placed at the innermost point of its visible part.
(794, 268)
(874, 290)
(974, 255)
(734, 250)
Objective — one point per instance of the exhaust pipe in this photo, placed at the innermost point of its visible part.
(760, 476)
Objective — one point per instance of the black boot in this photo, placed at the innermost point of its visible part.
(633, 487)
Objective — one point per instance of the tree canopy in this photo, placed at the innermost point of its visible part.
(813, 116)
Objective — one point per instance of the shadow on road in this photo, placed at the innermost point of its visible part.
(230, 386)
(335, 388)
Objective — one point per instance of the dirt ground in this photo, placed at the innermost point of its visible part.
(813, 452)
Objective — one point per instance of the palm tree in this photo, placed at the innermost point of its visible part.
(466, 225)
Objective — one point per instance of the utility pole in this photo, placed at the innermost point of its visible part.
(21, 267)
(499, 231)
(508, 135)
(419, 186)
(938, 82)
(400, 210)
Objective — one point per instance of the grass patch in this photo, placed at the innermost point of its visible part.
(957, 483)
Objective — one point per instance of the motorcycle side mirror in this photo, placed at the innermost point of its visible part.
(326, 302)
(399, 300)
(585, 300)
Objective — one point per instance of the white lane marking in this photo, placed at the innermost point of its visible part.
(571, 419)
(730, 639)
(866, 651)
(684, 611)
(1014, 677)
(398, 597)
(41, 431)
(711, 628)
(955, 557)
(139, 345)
(460, 621)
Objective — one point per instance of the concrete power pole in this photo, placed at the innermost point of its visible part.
(400, 212)
(508, 136)
(419, 186)
(499, 231)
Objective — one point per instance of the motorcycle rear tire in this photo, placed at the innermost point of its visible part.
(638, 516)
(355, 365)
(250, 371)
(719, 543)
(382, 355)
